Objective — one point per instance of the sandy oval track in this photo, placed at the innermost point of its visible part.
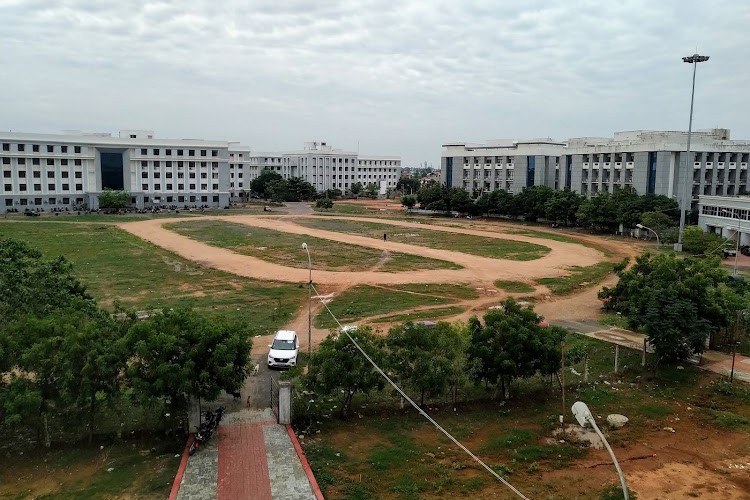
(476, 269)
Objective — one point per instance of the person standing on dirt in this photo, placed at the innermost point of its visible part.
(385, 236)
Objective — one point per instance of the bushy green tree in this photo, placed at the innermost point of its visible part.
(260, 183)
(562, 206)
(408, 185)
(677, 302)
(511, 344)
(658, 221)
(409, 201)
(531, 201)
(431, 359)
(180, 353)
(324, 203)
(338, 369)
(114, 199)
(356, 188)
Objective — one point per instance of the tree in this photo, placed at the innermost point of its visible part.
(277, 190)
(699, 242)
(431, 193)
(408, 185)
(429, 358)
(338, 369)
(179, 353)
(356, 188)
(562, 206)
(657, 221)
(677, 302)
(372, 189)
(599, 212)
(113, 199)
(260, 183)
(531, 201)
(511, 344)
(298, 189)
(409, 201)
(35, 286)
(460, 201)
(324, 203)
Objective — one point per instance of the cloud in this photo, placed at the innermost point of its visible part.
(400, 77)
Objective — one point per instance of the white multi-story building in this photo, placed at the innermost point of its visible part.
(46, 171)
(501, 164)
(652, 162)
(327, 168)
(728, 216)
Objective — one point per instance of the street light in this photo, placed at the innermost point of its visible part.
(641, 226)
(309, 303)
(694, 60)
(583, 415)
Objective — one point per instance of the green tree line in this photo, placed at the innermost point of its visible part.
(605, 211)
(437, 360)
(64, 357)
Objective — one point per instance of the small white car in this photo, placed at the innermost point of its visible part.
(284, 349)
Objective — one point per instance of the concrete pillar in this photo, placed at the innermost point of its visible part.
(617, 357)
(285, 402)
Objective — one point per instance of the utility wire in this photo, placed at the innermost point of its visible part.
(416, 406)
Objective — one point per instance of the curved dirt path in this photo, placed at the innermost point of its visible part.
(476, 269)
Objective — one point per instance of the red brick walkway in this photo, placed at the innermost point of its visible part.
(243, 468)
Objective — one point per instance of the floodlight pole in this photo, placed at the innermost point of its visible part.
(583, 415)
(641, 226)
(694, 60)
(309, 303)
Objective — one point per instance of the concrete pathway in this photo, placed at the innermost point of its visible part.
(252, 457)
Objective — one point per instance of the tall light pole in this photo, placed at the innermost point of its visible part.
(583, 415)
(641, 226)
(309, 303)
(694, 60)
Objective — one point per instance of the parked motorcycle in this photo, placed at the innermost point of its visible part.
(206, 429)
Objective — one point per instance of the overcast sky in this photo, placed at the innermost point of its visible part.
(390, 77)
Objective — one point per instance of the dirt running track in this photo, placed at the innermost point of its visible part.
(475, 269)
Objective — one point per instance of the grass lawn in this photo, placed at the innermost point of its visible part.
(117, 266)
(475, 245)
(285, 248)
(429, 314)
(340, 208)
(140, 469)
(440, 289)
(514, 286)
(578, 278)
(363, 301)
(391, 453)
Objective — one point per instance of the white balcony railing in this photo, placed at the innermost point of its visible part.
(607, 164)
(618, 164)
(709, 164)
(732, 165)
(596, 164)
(697, 164)
(743, 166)
(720, 164)
(629, 164)
(586, 165)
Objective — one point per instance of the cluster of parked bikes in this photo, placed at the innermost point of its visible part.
(206, 429)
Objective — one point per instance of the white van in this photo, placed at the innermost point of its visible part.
(284, 349)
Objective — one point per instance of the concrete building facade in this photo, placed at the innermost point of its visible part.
(47, 171)
(649, 161)
(728, 216)
(70, 170)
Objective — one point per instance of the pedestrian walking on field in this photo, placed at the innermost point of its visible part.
(385, 236)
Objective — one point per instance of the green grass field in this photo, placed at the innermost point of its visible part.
(285, 248)
(514, 286)
(475, 245)
(364, 300)
(140, 469)
(429, 314)
(578, 278)
(117, 266)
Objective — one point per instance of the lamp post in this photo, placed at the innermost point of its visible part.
(309, 303)
(641, 226)
(694, 60)
(583, 415)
